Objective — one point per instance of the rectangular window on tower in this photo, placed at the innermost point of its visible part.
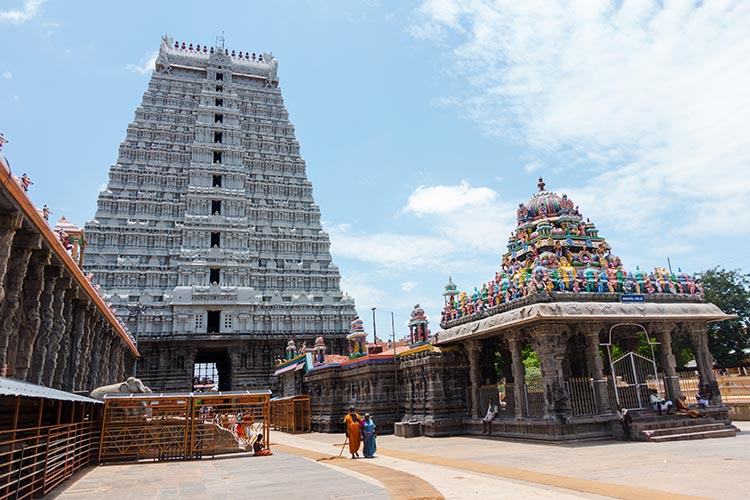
(218, 118)
(220, 77)
(216, 181)
(214, 321)
(219, 102)
(217, 156)
(219, 88)
(198, 322)
(215, 240)
(218, 137)
(227, 321)
(216, 207)
(214, 275)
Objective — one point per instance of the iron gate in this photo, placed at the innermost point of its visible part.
(633, 376)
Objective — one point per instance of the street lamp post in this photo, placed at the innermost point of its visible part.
(374, 328)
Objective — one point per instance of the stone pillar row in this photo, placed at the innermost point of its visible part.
(50, 333)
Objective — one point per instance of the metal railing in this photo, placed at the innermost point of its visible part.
(180, 427)
(582, 397)
(534, 399)
(34, 460)
(291, 414)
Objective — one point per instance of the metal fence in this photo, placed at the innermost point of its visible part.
(534, 399)
(36, 459)
(179, 427)
(291, 414)
(582, 398)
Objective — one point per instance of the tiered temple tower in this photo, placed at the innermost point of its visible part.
(207, 239)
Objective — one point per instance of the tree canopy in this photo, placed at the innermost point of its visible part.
(730, 290)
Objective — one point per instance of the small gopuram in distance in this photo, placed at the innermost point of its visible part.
(594, 336)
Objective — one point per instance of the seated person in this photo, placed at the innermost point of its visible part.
(682, 408)
(259, 449)
(703, 397)
(658, 403)
(487, 420)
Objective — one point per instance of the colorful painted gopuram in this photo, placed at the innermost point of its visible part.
(553, 249)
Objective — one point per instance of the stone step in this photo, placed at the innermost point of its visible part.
(670, 431)
(695, 435)
(667, 423)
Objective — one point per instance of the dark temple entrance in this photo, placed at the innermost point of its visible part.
(213, 363)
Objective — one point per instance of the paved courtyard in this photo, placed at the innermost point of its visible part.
(454, 468)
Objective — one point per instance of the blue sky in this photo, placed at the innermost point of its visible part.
(424, 124)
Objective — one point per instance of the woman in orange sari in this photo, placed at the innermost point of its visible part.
(352, 420)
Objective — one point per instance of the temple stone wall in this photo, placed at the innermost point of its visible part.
(369, 385)
(435, 390)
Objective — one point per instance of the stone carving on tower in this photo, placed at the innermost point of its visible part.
(209, 222)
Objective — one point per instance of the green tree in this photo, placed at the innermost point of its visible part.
(730, 290)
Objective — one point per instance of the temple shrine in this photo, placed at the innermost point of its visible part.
(602, 336)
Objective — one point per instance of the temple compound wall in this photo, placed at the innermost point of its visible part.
(57, 330)
(207, 238)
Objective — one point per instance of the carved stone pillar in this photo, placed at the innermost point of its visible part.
(106, 364)
(52, 275)
(663, 334)
(59, 325)
(78, 326)
(473, 348)
(591, 333)
(549, 342)
(84, 364)
(23, 244)
(515, 344)
(8, 225)
(97, 346)
(31, 318)
(63, 352)
(698, 335)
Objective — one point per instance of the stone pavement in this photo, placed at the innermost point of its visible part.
(451, 468)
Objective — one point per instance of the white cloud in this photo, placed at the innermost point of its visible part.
(29, 10)
(146, 64)
(7, 75)
(645, 101)
(390, 250)
(533, 166)
(470, 217)
(446, 199)
(408, 286)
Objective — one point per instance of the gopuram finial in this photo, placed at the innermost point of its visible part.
(541, 184)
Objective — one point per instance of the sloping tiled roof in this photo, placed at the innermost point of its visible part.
(11, 387)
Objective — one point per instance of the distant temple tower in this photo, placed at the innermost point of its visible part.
(207, 239)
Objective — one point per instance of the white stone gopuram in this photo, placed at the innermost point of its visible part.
(207, 239)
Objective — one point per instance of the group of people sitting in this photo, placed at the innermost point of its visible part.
(360, 430)
(702, 397)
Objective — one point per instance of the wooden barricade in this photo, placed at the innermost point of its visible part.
(182, 426)
(291, 414)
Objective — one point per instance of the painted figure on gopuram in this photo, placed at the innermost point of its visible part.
(554, 249)
(357, 338)
(418, 331)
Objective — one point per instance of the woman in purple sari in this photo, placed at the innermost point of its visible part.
(368, 435)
